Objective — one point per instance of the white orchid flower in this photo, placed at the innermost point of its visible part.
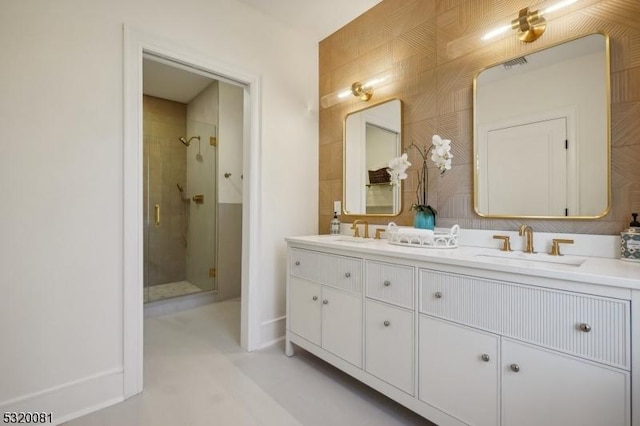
(441, 153)
(397, 169)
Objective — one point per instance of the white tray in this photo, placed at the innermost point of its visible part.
(405, 237)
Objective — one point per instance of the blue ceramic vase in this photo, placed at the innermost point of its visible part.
(424, 219)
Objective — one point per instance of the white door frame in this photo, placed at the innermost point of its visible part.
(135, 44)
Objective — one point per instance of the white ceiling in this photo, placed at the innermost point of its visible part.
(316, 18)
(169, 82)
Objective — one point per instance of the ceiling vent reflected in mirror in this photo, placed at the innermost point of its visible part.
(517, 62)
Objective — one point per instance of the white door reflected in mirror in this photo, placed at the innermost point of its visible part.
(372, 137)
(541, 133)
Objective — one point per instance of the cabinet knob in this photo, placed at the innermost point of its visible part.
(485, 357)
(315, 297)
(584, 327)
(348, 274)
(387, 283)
(297, 263)
(515, 368)
(438, 295)
(325, 302)
(387, 323)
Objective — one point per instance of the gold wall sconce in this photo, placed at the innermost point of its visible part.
(360, 89)
(529, 25)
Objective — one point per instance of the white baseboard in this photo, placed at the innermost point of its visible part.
(272, 331)
(74, 399)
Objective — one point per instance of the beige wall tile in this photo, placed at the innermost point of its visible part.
(410, 38)
(165, 157)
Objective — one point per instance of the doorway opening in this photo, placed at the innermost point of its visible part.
(190, 204)
(137, 45)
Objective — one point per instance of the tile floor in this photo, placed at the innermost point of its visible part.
(165, 291)
(197, 374)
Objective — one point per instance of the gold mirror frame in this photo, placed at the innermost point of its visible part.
(398, 188)
(476, 166)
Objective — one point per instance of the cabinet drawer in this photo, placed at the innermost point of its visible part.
(591, 327)
(389, 349)
(336, 271)
(390, 283)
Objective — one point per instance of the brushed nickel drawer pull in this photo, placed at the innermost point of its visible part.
(585, 327)
(485, 357)
(297, 263)
(348, 274)
(387, 283)
(315, 298)
(438, 295)
(515, 368)
(387, 323)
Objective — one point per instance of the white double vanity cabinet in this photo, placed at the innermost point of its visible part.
(467, 339)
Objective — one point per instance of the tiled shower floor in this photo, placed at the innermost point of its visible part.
(165, 291)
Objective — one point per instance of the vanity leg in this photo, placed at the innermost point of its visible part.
(288, 347)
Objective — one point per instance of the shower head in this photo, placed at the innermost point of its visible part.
(186, 142)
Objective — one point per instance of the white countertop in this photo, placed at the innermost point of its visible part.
(593, 270)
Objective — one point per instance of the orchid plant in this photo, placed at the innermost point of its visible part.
(440, 151)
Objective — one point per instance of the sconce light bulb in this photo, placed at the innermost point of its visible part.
(558, 6)
(377, 80)
(542, 12)
(363, 91)
(344, 94)
(494, 33)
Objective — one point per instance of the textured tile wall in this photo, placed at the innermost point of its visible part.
(410, 37)
(164, 122)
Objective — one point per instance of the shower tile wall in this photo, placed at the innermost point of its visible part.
(165, 166)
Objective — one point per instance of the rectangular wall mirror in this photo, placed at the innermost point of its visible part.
(372, 137)
(541, 133)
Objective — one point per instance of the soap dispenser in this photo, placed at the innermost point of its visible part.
(630, 241)
(334, 229)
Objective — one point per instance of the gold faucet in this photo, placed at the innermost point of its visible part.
(356, 231)
(506, 244)
(555, 247)
(527, 231)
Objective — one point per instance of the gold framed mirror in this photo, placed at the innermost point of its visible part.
(542, 133)
(372, 137)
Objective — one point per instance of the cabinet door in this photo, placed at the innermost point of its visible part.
(305, 309)
(389, 344)
(342, 324)
(459, 371)
(551, 389)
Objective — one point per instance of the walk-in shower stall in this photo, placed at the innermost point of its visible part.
(179, 197)
(193, 134)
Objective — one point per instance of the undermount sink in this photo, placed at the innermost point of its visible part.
(349, 239)
(535, 257)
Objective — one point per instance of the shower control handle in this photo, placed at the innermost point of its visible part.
(156, 214)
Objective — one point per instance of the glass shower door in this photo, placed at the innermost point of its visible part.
(202, 183)
(180, 202)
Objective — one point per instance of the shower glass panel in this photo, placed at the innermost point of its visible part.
(179, 202)
(201, 175)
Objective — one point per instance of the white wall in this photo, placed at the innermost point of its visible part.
(61, 179)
